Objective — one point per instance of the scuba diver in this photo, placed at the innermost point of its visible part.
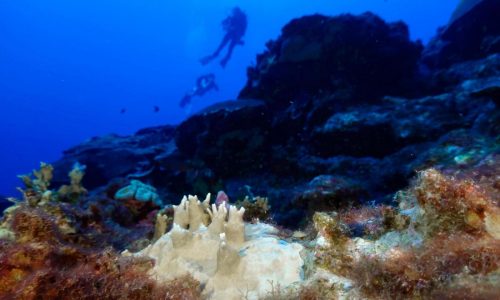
(204, 84)
(235, 26)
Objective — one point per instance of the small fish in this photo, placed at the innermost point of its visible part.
(221, 198)
(123, 110)
(156, 108)
(299, 234)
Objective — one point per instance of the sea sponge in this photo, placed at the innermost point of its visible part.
(231, 259)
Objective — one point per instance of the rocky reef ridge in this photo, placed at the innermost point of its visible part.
(338, 111)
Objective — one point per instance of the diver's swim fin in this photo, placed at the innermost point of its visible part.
(223, 62)
(207, 59)
(186, 100)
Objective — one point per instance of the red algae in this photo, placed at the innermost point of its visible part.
(41, 264)
(458, 246)
(451, 204)
(59, 250)
(417, 272)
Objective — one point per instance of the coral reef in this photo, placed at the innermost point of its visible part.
(377, 161)
(52, 248)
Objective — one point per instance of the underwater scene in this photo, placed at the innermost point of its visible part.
(250, 149)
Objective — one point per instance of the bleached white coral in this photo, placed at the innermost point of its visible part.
(231, 259)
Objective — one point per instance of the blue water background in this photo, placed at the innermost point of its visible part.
(67, 67)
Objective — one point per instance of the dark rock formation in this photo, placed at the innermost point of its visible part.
(335, 125)
(222, 134)
(325, 192)
(115, 156)
(359, 58)
(4, 203)
(473, 33)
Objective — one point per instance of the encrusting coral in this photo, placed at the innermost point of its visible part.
(138, 191)
(231, 259)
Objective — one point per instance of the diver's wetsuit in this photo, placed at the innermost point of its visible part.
(235, 26)
(204, 84)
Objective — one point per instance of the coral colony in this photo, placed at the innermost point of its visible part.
(351, 169)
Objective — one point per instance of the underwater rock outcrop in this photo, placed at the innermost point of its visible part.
(334, 123)
(472, 33)
(114, 156)
(356, 58)
(236, 129)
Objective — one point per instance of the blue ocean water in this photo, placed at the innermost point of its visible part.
(68, 68)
